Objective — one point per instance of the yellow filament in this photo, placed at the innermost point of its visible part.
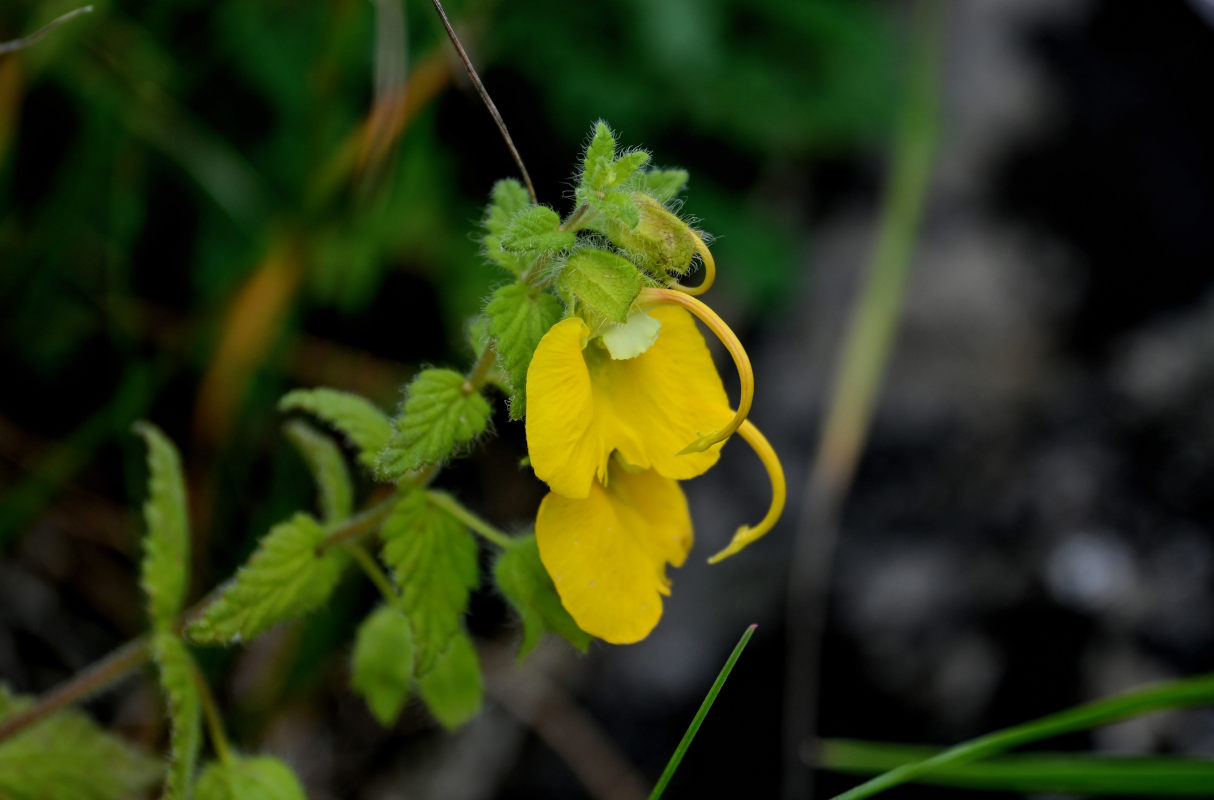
(710, 268)
(653, 297)
(771, 462)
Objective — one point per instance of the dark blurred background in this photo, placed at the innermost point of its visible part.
(203, 205)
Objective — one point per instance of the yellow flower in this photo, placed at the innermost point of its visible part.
(607, 553)
(583, 405)
(610, 437)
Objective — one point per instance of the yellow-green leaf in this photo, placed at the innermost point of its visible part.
(164, 573)
(454, 689)
(382, 664)
(328, 467)
(285, 578)
(434, 560)
(439, 414)
(176, 668)
(257, 778)
(523, 580)
(353, 415)
(519, 316)
(606, 282)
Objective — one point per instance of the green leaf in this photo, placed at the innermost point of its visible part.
(382, 665)
(1183, 693)
(434, 560)
(519, 316)
(164, 573)
(65, 755)
(454, 689)
(176, 667)
(438, 416)
(285, 578)
(616, 206)
(522, 578)
(328, 466)
(600, 155)
(625, 166)
(355, 416)
(259, 778)
(662, 184)
(509, 198)
(1032, 773)
(537, 230)
(604, 281)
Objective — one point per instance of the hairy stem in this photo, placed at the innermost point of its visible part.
(210, 711)
(374, 572)
(92, 679)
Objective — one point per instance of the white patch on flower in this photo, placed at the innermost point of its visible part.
(632, 338)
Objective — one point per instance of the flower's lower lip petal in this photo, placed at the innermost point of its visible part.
(607, 554)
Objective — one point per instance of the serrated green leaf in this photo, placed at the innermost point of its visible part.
(355, 416)
(258, 778)
(164, 573)
(600, 155)
(285, 578)
(454, 689)
(328, 467)
(537, 230)
(437, 416)
(65, 755)
(508, 198)
(625, 167)
(521, 577)
(662, 184)
(176, 668)
(434, 559)
(519, 316)
(382, 664)
(604, 281)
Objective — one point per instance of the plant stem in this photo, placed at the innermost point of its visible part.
(478, 376)
(219, 739)
(360, 524)
(94, 678)
(698, 720)
(373, 571)
(17, 44)
(450, 505)
(862, 362)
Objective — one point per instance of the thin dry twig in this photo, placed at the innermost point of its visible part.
(480, 88)
(18, 44)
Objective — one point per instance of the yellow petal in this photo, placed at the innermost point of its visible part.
(651, 406)
(562, 440)
(582, 405)
(607, 553)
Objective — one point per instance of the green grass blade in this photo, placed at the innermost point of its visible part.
(694, 727)
(1184, 693)
(1061, 773)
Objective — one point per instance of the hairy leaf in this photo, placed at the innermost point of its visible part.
(382, 665)
(662, 184)
(328, 466)
(285, 578)
(164, 573)
(258, 778)
(508, 199)
(523, 580)
(176, 667)
(604, 281)
(65, 755)
(438, 416)
(537, 230)
(454, 689)
(355, 416)
(434, 559)
(519, 316)
(600, 155)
